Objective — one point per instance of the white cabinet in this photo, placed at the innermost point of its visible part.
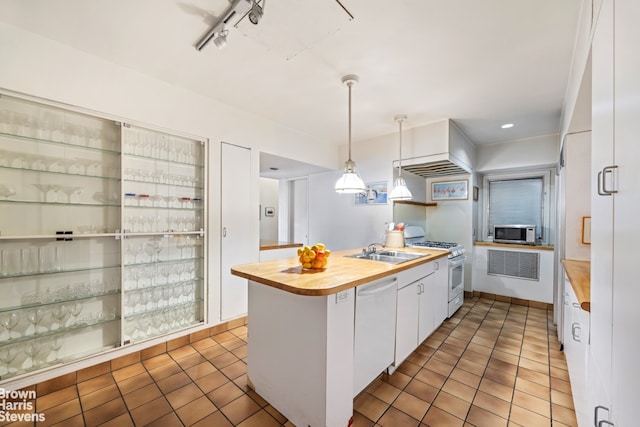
(615, 159)
(576, 340)
(101, 235)
(236, 232)
(422, 305)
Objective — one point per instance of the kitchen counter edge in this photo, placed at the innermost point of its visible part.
(341, 274)
(579, 274)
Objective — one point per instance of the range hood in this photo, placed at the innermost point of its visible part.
(439, 149)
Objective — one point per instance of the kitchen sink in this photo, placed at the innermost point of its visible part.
(392, 257)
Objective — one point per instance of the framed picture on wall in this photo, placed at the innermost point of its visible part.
(450, 190)
(375, 194)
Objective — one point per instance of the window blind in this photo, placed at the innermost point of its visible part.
(516, 201)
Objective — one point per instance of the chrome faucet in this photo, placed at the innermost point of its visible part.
(371, 248)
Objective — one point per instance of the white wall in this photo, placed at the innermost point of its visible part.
(269, 189)
(577, 190)
(529, 153)
(40, 67)
(534, 290)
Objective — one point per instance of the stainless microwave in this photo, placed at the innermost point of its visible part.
(515, 233)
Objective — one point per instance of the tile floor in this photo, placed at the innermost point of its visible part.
(492, 364)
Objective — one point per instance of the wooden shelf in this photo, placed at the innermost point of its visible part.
(411, 202)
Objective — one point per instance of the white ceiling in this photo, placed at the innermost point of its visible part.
(481, 63)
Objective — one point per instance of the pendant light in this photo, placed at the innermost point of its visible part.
(400, 190)
(350, 182)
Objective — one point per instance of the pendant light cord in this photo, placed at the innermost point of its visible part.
(400, 160)
(349, 84)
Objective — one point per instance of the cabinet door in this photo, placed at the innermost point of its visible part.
(236, 232)
(407, 322)
(426, 318)
(602, 206)
(626, 346)
(441, 291)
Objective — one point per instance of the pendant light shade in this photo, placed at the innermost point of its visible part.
(400, 190)
(350, 182)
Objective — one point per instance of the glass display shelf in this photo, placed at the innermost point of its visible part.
(113, 204)
(128, 316)
(48, 353)
(74, 175)
(86, 321)
(43, 301)
(166, 161)
(89, 145)
(162, 261)
(142, 326)
(8, 274)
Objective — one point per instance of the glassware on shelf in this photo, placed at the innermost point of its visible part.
(75, 309)
(44, 189)
(71, 191)
(7, 191)
(7, 356)
(55, 343)
(59, 312)
(49, 258)
(34, 317)
(29, 260)
(9, 321)
(32, 349)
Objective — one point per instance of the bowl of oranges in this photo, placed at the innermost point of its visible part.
(313, 257)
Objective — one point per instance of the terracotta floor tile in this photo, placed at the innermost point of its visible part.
(452, 404)
(396, 418)
(422, 390)
(151, 411)
(242, 383)
(465, 377)
(128, 372)
(500, 376)
(224, 359)
(240, 409)
(76, 421)
(100, 397)
(564, 415)
(496, 389)
(471, 366)
(408, 368)
(62, 412)
(195, 411)
(479, 358)
(559, 373)
(260, 419)
(430, 377)
(134, 383)
(458, 342)
(383, 391)
(504, 366)
(437, 417)
(235, 370)
(157, 361)
(225, 394)
(142, 395)
(527, 418)
(203, 343)
(533, 376)
(95, 384)
(105, 412)
(180, 397)
(532, 388)
(212, 381)
(562, 399)
(190, 360)
(480, 417)
(240, 352)
(257, 398)
(173, 382)
(200, 370)
(533, 365)
(123, 420)
(411, 405)
(168, 420)
(492, 404)
(223, 336)
(418, 358)
(459, 390)
(216, 419)
(397, 379)
(275, 414)
(358, 420)
(532, 403)
(56, 398)
(165, 371)
(440, 367)
(370, 406)
(182, 352)
(563, 386)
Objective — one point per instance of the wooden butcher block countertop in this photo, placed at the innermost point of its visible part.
(341, 273)
(579, 274)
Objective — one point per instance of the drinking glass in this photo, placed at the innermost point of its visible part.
(55, 344)
(70, 191)
(59, 312)
(10, 321)
(75, 310)
(35, 317)
(32, 349)
(7, 191)
(7, 356)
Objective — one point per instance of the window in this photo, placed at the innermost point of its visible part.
(517, 199)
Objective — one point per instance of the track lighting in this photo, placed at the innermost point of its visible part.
(350, 182)
(256, 12)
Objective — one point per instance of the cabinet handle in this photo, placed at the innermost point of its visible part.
(603, 422)
(602, 188)
(436, 266)
(224, 231)
(575, 327)
(596, 423)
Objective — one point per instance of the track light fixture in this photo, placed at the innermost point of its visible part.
(221, 40)
(218, 33)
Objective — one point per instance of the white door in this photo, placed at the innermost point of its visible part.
(426, 318)
(602, 205)
(407, 322)
(300, 211)
(235, 183)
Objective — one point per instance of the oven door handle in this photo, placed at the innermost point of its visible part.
(459, 260)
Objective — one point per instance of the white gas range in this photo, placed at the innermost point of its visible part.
(415, 237)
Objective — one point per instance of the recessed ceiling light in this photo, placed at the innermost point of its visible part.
(507, 125)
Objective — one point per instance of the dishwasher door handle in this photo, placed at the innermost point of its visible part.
(376, 289)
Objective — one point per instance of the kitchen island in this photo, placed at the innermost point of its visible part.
(301, 339)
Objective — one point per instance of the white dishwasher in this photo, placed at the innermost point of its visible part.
(375, 330)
